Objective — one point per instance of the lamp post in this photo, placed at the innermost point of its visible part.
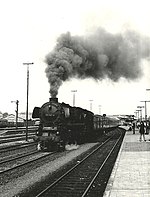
(17, 103)
(140, 111)
(74, 91)
(146, 114)
(148, 89)
(91, 104)
(27, 63)
(138, 114)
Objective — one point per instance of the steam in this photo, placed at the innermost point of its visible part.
(98, 56)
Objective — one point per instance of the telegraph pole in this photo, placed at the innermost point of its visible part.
(140, 110)
(138, 114)
(27, 97)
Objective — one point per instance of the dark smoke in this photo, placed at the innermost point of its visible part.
(98, 56)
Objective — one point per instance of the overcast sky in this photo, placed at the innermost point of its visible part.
(29, 31)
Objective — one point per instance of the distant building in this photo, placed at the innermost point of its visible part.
(12, 118)
(1, 115)
(23, 115)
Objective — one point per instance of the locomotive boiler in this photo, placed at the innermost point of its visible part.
(61, 124)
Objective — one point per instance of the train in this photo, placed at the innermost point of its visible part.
(3, 123)
(61, 124)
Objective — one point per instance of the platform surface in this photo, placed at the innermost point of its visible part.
(131, 174)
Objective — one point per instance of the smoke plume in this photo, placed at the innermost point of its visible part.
(98, 56)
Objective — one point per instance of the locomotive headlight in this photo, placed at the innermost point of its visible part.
(49, 107)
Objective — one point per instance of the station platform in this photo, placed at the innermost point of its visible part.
(131, 173)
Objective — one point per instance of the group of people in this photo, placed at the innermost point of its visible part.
(141, 130)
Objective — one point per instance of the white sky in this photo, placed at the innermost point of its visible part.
(29, 29)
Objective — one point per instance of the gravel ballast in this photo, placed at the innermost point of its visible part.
(20, 184)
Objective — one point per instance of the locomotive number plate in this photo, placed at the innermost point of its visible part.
(45, 134)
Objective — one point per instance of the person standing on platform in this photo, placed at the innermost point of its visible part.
(133, 127)
(142, 131)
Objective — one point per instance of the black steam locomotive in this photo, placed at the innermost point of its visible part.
(62, 124)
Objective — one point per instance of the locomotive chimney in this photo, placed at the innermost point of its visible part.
(55, 100)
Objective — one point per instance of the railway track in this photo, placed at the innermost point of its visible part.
(14, 167)
(13, 138)
(19, 128)
(11, 130)
(7, 160)
(89, 176)
(10, 151)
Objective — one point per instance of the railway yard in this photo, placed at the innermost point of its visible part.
(82, 171)
(75, 102)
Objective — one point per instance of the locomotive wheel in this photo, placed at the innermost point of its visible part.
(52, 147)
(49, 147)
(61, 147)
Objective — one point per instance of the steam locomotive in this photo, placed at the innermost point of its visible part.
(62, 124)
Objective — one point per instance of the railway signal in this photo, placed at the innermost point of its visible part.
(17, 103)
